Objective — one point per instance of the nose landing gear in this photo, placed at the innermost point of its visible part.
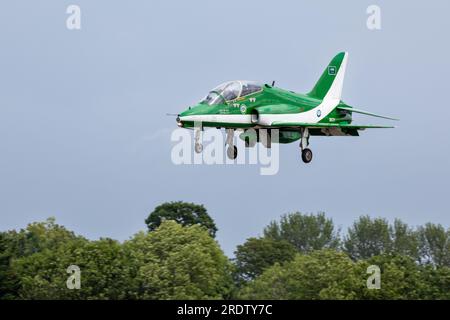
(232, 150)
(198, 147)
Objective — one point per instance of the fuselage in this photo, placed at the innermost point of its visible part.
(268, 114)
(261, 108)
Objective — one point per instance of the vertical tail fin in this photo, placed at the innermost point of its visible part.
(332, 79)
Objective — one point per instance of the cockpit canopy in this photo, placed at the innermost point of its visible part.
(229, 91)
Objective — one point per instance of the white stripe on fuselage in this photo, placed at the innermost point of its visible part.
(267, 119)
(219, 118)
(311, 116)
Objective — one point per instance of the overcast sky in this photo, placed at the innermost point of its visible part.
(84, 134)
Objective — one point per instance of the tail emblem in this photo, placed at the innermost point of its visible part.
(331, 70)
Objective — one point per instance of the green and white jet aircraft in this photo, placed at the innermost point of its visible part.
(244, 105)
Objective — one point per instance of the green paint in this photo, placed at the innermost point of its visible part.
(243, 105)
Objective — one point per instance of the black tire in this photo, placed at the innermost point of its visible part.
(307, 155)
(232, 152)
(198, 148)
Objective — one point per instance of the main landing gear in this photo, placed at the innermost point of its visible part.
(307, 154)
(232, 151)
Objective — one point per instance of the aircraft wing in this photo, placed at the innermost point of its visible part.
(365, 112)
(281, 124)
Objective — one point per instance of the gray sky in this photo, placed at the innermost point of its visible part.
(84, 136)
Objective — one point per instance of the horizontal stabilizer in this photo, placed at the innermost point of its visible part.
(365, 112)
(328, 125)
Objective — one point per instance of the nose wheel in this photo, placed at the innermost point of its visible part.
(198, 147)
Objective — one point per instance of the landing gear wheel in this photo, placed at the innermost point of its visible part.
(198, 148)
(307, 155)
(232, 152)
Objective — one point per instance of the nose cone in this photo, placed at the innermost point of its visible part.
(181, 118)
(178, 120)
(189, 117)
(185, 118)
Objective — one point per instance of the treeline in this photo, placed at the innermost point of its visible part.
(301, 256)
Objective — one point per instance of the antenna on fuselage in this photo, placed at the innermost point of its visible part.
(273, 83)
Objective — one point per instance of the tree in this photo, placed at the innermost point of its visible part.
(186, 214)
(435, 245)
(324, 274)
(103, 265)
(438, 280)
(328, 274)
(400, 278)
(184, 262)
(405, 241)
(36, 237)
(257, 254)
(305, 232)
(367, 238)
(176, 262)
(8, 282)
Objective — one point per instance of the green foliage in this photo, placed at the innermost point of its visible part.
(438, 282)
(332, 275)
(175, 262)
(368, 238)
(435, 245)
(8, 283)
(298, 258)
(401, 278)
(103, 264)
(186, 214)
(412, 262)
(172, 262)
(305, 232)
(371, 237)
(324, 274)
(257, 254)
(35, 238)
(405, 240)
